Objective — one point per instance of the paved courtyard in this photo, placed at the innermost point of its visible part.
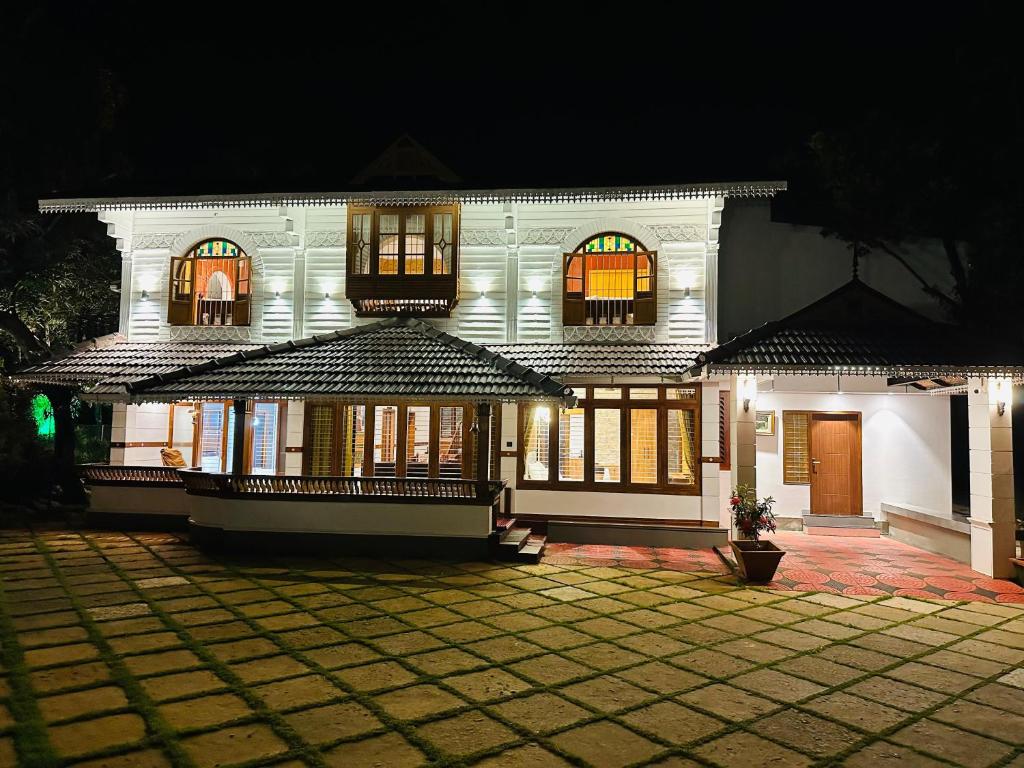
(139, 651)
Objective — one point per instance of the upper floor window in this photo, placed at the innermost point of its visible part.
(418, 244)
(609, 280)
(210, 285)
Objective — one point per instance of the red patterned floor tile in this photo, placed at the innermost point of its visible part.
(855, 590)
(997, 585)
(804, 575)
(949, 584)
(853, 578)
(918, 593)
(901, 580)
(976, 597)
(1010, 597)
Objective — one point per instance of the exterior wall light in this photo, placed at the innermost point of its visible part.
(327, 294)
(746, 389)
(145, 295)
(999, 391)
(277, 294)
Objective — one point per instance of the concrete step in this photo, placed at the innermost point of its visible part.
(532, 550)
(504, 523)
(511, 542)
(840, 525)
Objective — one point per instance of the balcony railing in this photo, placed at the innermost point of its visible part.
(112, 474)
(418, 490)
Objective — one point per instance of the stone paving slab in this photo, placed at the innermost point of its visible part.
(135, 650)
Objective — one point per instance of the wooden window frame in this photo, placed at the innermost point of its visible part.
(428, 212)
(624, 405)
(282, 431)
(401, 437)
(724, 430)
(796, 412)
(574, 312)
(183, 311)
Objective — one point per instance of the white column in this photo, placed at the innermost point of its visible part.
(298, 294)
(710, 499)
(990, 436)
(118, 433)
(293, 438)
(511, 272)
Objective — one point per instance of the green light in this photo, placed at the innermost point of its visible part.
(42, 413)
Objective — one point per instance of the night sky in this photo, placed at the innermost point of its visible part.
(299, 97)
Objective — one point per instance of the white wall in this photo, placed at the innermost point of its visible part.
(905, 444)
(506, 251)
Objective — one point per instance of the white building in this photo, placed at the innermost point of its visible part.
(435, 322)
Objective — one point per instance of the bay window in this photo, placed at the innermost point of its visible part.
(642, 439)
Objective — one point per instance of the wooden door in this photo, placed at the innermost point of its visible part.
(835, 464)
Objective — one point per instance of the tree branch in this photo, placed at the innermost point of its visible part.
(928, 288)
(28, 342)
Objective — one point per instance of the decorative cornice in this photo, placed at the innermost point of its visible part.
(329, 238)
(437, 197)
(545, 235)
(482, 237)
(616, 334)
(153, 240)
(272, 239)
(679, 233)
(210, 333)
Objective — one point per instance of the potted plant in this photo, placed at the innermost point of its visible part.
(757, 560)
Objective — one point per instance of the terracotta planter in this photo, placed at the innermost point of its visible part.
(757, 560)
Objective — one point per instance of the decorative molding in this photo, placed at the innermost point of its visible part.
(211, 333)
(617, 334)
(183, 241)
(482, 237)
(153, 240)
(545, 235)
(679, 233)
(272, 239)
(329, 238)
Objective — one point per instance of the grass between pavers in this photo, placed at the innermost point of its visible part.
(402, 726)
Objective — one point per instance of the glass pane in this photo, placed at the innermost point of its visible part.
(417, 441)
(613, 243)
(607, 445)
(229, 450)
(211, 437)
(643, 393)
(570, 444)
(321, 438)
(536, 439)
(265, 420)
(449, 441)
(681, 393)
(387, 251)
(385, 440)
(443, 244)
(607, 393)
(796, 449)
(360, 243)
(643, 445)
(353, 437)
(682, 458)
(415, 243)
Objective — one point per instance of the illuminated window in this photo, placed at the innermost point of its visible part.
(607, 445)
(643, 445)
(570, 444)
(537, 442)
(385, 440)
(796, 456)
(450, 441)
(210, 285)
(417, 441)
(320, 439)
(681, 454)
(264, 438)
(609, 280)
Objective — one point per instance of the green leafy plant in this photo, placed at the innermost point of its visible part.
(752, 517)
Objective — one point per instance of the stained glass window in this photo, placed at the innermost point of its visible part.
(611, 243)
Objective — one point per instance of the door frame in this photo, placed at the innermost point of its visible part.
(856, 459)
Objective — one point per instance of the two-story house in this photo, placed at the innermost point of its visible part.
(394, 367)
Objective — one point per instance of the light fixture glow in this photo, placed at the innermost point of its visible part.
(746, 391)
(999, 391)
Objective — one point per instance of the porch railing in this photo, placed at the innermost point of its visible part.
(113, 474)
(419, 490)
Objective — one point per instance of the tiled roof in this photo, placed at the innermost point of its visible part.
(105, 365)
(401, 357)
(568, 361)
(856, 330)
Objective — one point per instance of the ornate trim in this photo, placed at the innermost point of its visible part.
(211, 333)
(545, 235)
(329, 238)
(153, 240)
(482, 237)
(185, 240)
(679, 232)
(272, 239)
(615, 334)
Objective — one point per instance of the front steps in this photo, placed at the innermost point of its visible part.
(840, 525)
(516, 544)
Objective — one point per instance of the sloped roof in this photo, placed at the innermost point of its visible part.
(856, 330)
(105, 365)
(398, 357)
(568, 361)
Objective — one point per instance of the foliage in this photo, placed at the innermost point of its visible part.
(752, 517)
(24, 458)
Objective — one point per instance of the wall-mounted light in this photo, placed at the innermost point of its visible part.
(535, 284)
(746, 391)
(145, 294)
(327, 294)
(277, 294)
(686, 292)
(999, 391)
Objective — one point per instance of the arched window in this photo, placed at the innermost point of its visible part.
(210, 285)
(609, 280)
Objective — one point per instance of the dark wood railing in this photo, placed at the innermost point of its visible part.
(419, 490)
(113, 474)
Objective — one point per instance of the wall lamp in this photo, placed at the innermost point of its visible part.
(277, 294)
(327, 294)
(145, 295)
(747, 391)
(998, 390)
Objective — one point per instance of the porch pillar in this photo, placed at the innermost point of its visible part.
(483, 445)
(710, 448)
(65, 474)
(742, 410)
(118, 433)
(238, 446)
(990, 438)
